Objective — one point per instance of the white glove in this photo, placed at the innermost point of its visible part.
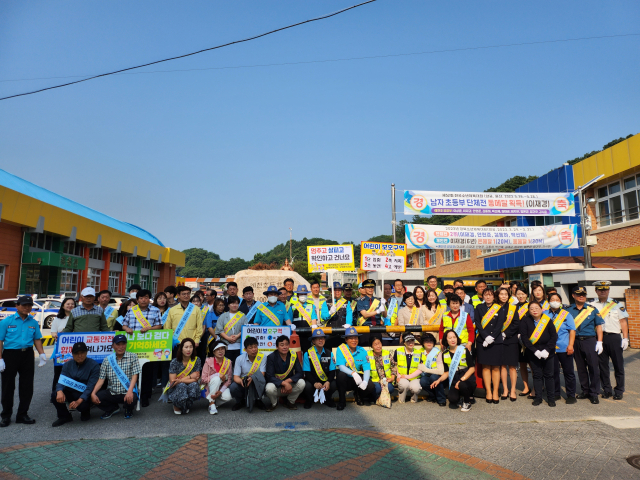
(332, 310)
(383, 302)
(485, 344)
(544, 354)
(538, 354)
(43, 359)
(316, 398)
(293, 327)
(346, 325)
(598, 348)
(356, 378)
(380, 309)
(321, 396)
(2, 366)
(363, 386)
(490, 339)
(625, 345)
(504, 335)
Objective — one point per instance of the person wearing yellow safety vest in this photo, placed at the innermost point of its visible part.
(459, 370)
(432, 369)
(490, 317)
(432, 281)
(384, 368)
(288, 285)
(481, 286)
(305, 314)
(459, 321)
(408, 372)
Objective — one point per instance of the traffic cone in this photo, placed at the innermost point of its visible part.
(294, 345)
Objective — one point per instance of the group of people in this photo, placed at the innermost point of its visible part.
(493, 332)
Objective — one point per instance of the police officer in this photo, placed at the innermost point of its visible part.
(19, 333)
(615, 323)
(588, 344)
(348, 295)
(340, 314)
(371, 310)
(272, 313)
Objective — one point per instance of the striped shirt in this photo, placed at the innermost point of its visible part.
(152, 314)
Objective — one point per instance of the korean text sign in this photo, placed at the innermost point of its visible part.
(324, 257)
(489, 238)
(99, 346)
(266, 336)
(153, 345)
(390, 257)
(488, 203)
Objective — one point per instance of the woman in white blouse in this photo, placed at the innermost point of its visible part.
(57, 325)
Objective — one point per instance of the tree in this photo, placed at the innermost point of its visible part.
(512, 184)
(604, 147)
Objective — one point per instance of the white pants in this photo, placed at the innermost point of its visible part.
(214, 386)
(274, 392)
(412, 385)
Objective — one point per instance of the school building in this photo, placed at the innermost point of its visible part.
(50, 245)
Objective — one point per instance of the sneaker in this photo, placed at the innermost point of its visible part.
(128, 414)
(108, 415)
(472, 401)
(290, 406)
(213, 410)
(414, 398)
(466, 407)
(236, 407)
(270, 407)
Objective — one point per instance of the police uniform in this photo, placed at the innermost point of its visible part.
(18, 336)
(585, 346)
(611, 344)
(278, 309)
(364, 303)
(344, 378)
(311, 376)
(342, 316)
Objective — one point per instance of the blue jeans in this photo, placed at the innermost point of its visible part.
(426, 380)
(378, 388)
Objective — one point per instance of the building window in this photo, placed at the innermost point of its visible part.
(464, 254)
(449, 256)
(131, 261)
(410, 260)
(431, 258)
(144, 282)
(95, 253)
(421, 259)
(41, 241)
(154, 288)
(114, 281)
(3, 269)
(73, 248)
(156, 267)
(131, 279)
(116, 258)
(548, 220)
(511, 223)
(69, 281)
(146, 264)
(93, 278)
(618, 202)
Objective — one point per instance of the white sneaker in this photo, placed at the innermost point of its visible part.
(414, 398)
(466, 407)
(212, 410)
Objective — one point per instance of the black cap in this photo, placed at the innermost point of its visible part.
(119, 339)
(368, 284)
(347, 286)
(25, 300)
(79, 347)
(579, 290)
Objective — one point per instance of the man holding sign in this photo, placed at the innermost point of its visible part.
(77, 380)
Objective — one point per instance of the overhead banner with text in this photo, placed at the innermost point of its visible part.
(326, 257)
(418, 202)
(377, 256)
(489, 238)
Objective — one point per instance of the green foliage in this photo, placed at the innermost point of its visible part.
(512, 184)
(604, 147)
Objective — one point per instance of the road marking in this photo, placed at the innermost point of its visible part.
(620, 422)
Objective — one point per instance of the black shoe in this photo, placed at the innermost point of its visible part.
(582, 396)
(5, 422)
(330, 404)
(442, 404)
(359, 401)
(617, 396)
(26, 419)
(144, 402)
(552, 403)
(606, 395)
(595, 400)
(536, 402)
(307, 405)
(488, 400)
(85, 416)
(61, 421)
(367, 403)
(557, 397)
(341, 406)
(503, 398)
(259, 405)
(290, 406)
(496, 402)
(571, 400)
(523, 394)
(237, 407)
(472, 401)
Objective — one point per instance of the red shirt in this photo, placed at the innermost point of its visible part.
(470, 326)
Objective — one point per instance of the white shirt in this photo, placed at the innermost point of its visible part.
(611, 319)
(58, 324)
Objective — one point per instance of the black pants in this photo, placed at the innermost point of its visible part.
(110, 402)
(309, 390)
(148, 380)
(334, 341)
(587, 365)
(346, 382)
(390, 341)
(57, 370)
(465, 390)
(17, 362)
(71, 395)
(232, 355)
(238, 392)
(611, 348)
(542, 370)
(567, 370)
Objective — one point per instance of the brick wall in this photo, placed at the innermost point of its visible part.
(632, 299)
(10, 257)
(619, 238)
(167, 276)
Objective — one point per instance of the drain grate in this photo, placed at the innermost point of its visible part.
(634, 461)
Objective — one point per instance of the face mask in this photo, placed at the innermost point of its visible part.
(302, 298)
(272, 299)
(555, 304)
(133, 294)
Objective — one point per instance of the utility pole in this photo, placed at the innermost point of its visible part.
(290, 254)
(393, 211)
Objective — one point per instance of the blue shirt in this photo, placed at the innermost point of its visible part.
(211, 319)
(563, 333)
(306, 363)
(360, 357)
(17, 333)
(278, 309)
(588, 326)
(364, 303)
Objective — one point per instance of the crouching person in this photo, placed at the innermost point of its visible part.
(217, 376)
(248, 377)
(121, 369)
(319, 372)
(284, 376)
(432, 368)
(77, 380)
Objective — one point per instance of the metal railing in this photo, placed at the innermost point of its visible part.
(618, 216)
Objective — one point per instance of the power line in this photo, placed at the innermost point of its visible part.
(341, 59)
(193, 53)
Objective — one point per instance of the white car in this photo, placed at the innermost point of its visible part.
(44, 310)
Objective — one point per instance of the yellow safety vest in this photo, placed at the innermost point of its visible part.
(447, 323)
(402, 362)
(447, 356)
(386, 361)
(476, 301)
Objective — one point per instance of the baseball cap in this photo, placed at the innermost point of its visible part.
(79, 347)
(119, 339)
(88, 291)
(25, 300)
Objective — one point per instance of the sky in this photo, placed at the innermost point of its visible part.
(228, 159)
